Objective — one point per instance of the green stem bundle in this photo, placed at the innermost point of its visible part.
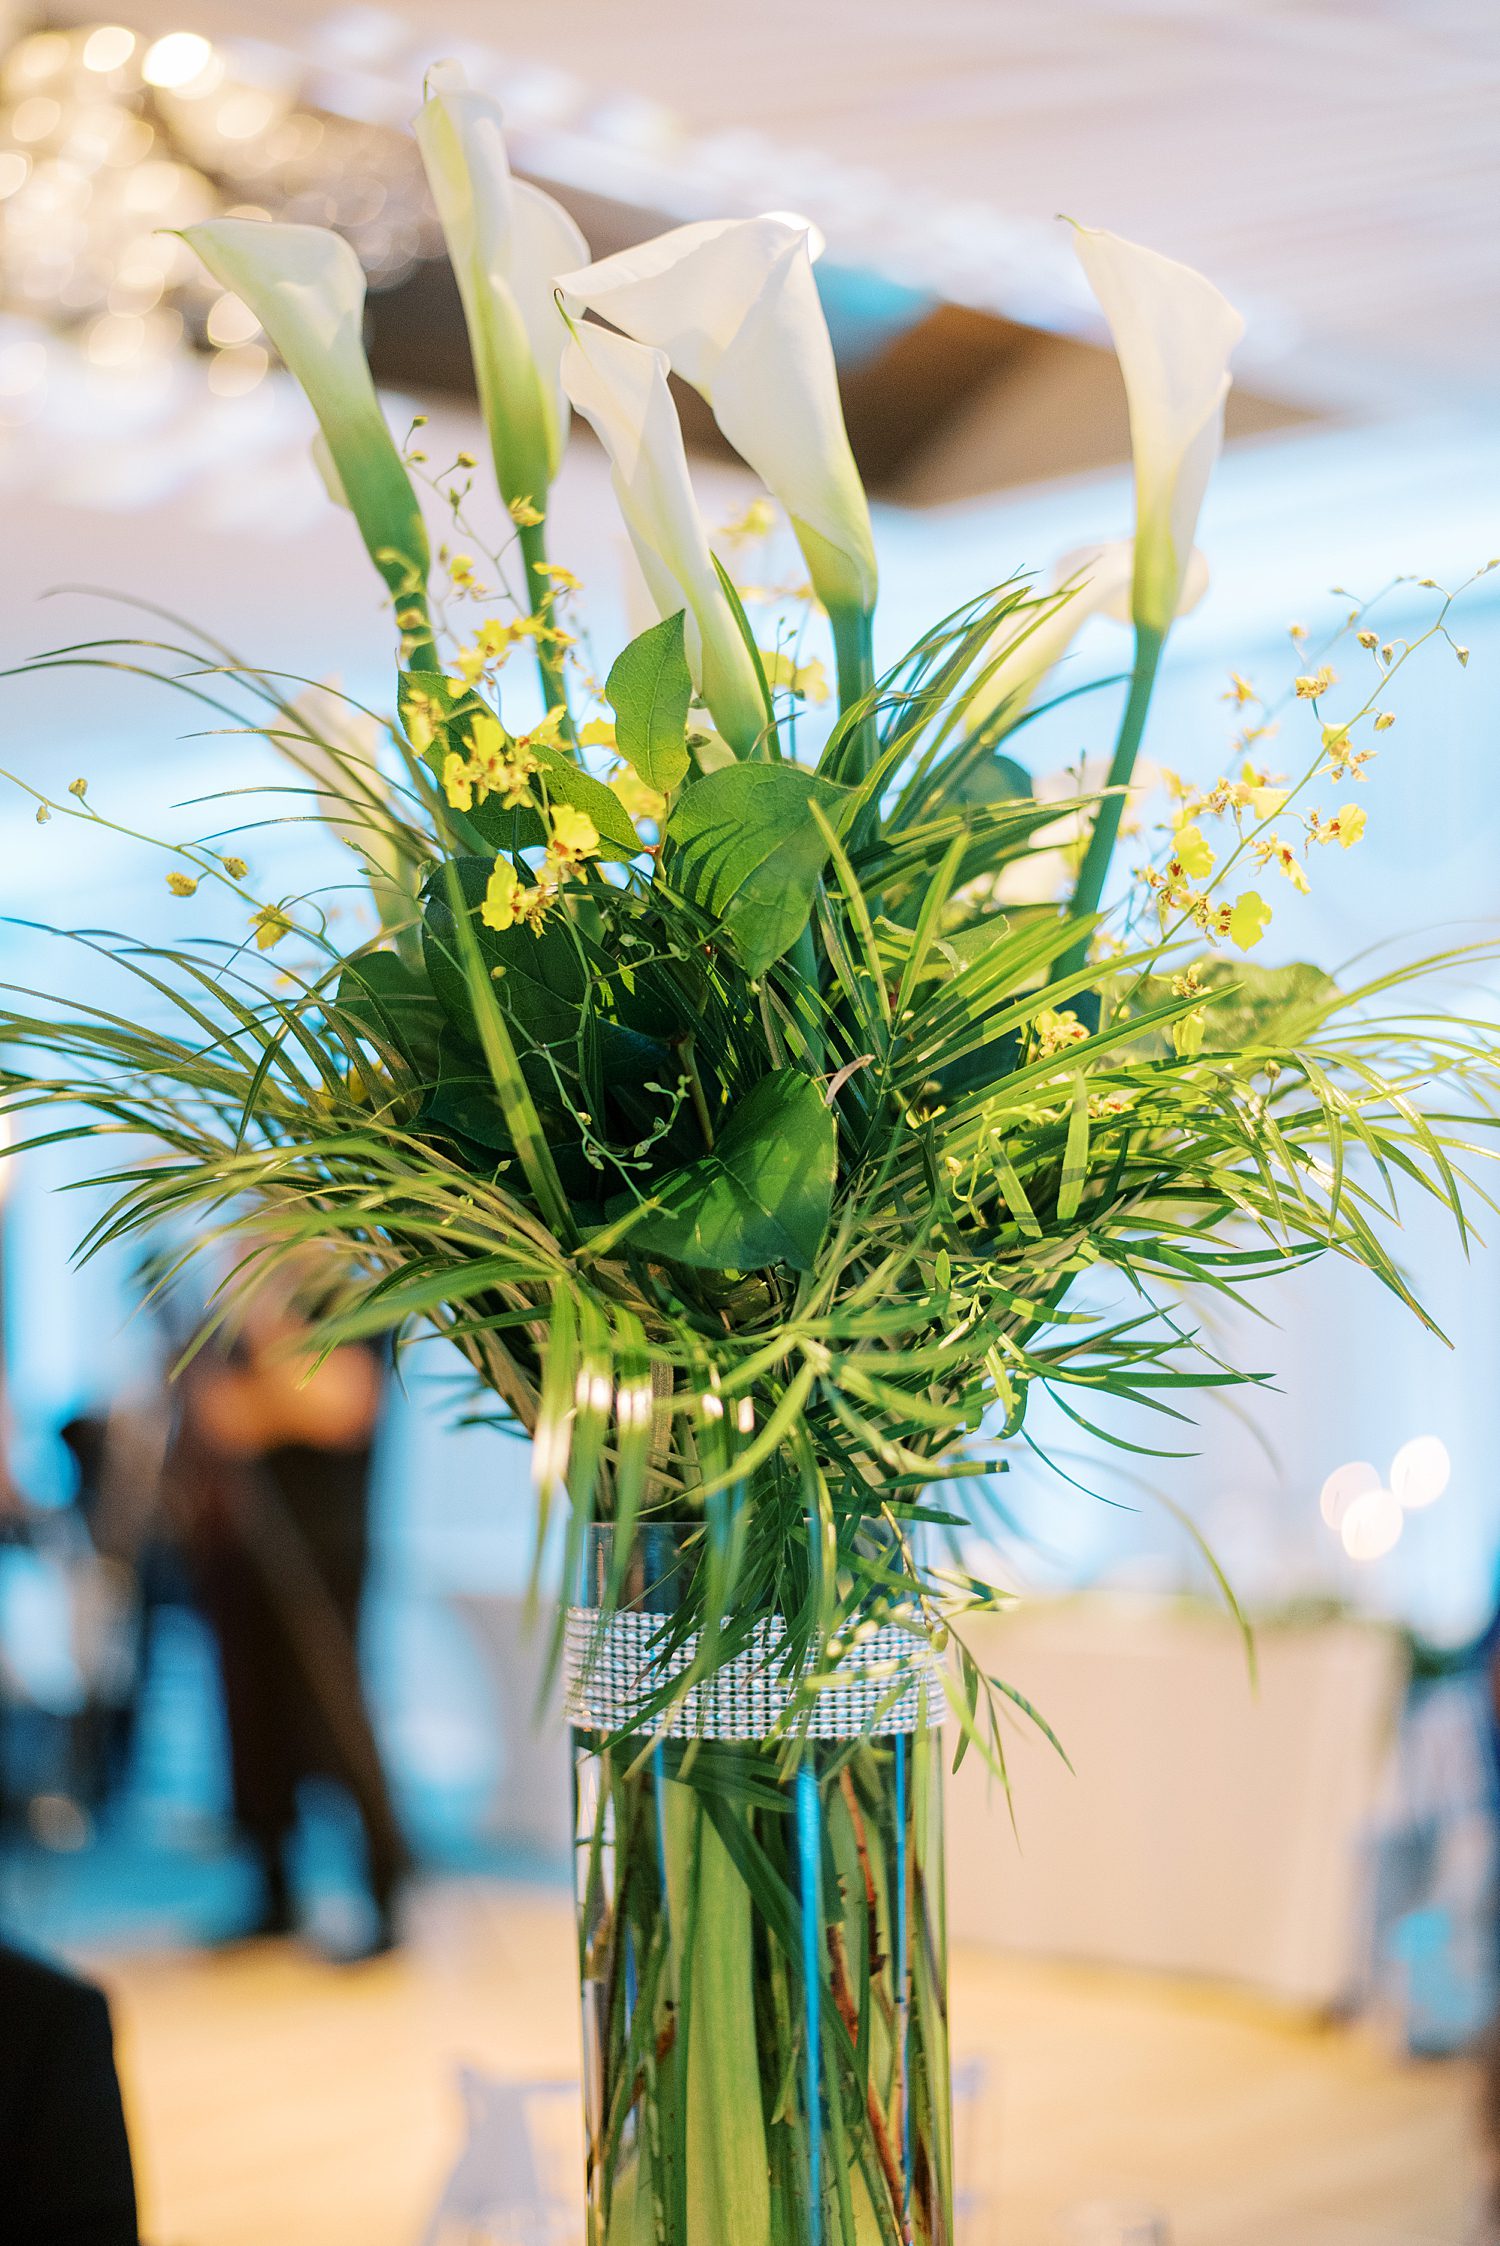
(764, 2008)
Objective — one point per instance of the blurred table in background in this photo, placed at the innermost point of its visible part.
(1209, 1825)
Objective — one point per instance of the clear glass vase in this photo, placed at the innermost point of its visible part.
(762, 1952)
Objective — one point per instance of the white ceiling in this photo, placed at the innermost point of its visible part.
(1335, 168)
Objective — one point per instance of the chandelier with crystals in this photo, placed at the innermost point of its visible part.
(110, 140)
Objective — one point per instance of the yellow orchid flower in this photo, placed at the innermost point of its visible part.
(1192, 853)
(573, 839)
(458, 782)
(498, 910)
(270, 925)
(1248, 920)
(509, 903)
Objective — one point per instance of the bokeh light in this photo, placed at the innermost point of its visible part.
(1343, 1486)
(109, 48)
(1421, 1470)
(1372, 1525)
(176, 60)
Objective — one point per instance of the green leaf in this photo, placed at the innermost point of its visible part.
(566, 782)
(741, 846)
(989, 779)
(1264, 1005)
(762, 1196)
(464, 1098)
(392, 1004)
(649, 688)
(542, 984)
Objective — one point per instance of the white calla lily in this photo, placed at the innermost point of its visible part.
(734, 305)
(1173, 334)
(306, 287)
(507, 242)
(1091, 581)
(620, 388)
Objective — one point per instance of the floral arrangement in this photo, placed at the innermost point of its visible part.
(742, 1075)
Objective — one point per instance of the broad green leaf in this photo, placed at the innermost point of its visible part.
(393, 1004)
(541, 983)
(742, 847)
(1264, 1005)
(989, 779)
(649, 688)
(305, 286)
(762, 1196)
(464, 1098)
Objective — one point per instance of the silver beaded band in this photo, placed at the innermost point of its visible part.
(888, 1681)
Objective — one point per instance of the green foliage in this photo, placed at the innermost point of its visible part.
(756, 1181)
(649, 688)
(563, 781)
(761, 1196)
(391, 1005)
(742, 847)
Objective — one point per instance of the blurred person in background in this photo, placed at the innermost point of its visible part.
(65, 2169)
(136, 1569)
(269, 1474)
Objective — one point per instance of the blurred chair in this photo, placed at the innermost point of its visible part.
(1213, 1827)
(1435, 1959)
(974, 2152)
(515, 2182)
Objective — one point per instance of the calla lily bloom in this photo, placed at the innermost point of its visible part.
(1092, 581)
(306, 288)
(734, 305)
(620, 388)
(1173, 334)
(507, 242)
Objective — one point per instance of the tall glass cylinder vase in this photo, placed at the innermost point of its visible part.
(762, 1951)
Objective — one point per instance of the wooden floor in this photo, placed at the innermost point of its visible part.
(277, 2101)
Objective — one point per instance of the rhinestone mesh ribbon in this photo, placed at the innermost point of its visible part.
(612, 1665)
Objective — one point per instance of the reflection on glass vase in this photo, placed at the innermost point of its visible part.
(761, 1940)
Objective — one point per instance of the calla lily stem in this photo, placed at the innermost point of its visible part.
(854, 653)
(1101, 848)
(539, 595)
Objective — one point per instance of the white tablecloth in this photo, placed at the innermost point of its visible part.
(1207, 1827)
